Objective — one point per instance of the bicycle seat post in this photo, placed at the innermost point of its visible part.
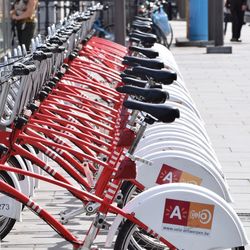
(133, 117)
(137, 138)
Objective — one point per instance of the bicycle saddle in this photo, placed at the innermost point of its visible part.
(149, 63)
(161, 112)
(141, 22)
(135, 40)
(143, 18)
(148, 95)
(142, 33)
(162, 76)
(129, 72)
(133, 81)
(144, 37)
(150, 53)
(144, 27)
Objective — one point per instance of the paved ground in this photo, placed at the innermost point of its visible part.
(220, 86)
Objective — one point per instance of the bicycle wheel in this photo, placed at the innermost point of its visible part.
(109, 32)
(162, 38)
(170, 37)
(130, 237)
(129, 191)
(139, 238)
(6, 223)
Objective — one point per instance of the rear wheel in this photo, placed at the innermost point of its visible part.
(6, 223)
(131, 237)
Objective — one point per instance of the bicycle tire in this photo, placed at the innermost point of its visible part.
(130, 237)
(128, 190)
(162, 38)
(13, 162)
(170, 37)
(110, 29)
(6, 223)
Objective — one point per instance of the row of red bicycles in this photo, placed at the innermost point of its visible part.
(117, 128)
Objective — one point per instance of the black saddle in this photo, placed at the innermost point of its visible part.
(147, 95)
(150, 53)
(141, 26)
(161, 112)
(149, 63)
(146, 19)
(145, 38)
(162, 76)
(133, 81)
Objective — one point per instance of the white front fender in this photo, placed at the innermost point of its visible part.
(188, 216)
(9, 207)
(36, 169)
(25, 183)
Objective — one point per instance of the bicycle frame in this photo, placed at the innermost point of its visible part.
(66, 113)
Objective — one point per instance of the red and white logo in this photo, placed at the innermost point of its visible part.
(170, 174)
(189, 214)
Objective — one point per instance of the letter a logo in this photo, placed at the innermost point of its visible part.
(176, 213)
(168, 178)
(168, 175)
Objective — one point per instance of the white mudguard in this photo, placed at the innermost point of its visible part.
(187, 216)
(163, 137)
(25, 184)
(178, 128)
(32, 180)
(36, 169)
(167, 57)
(175, 96)
(176, 166)
(201, 133)
(172, 144)
(10, 207)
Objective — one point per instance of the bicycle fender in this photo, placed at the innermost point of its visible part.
(178, 166)
(14, 207)
(36, 169)
(25, 183)
(32, 180)
(10, 207)
(189, 217)
(167, 57)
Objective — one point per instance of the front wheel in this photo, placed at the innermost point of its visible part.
(131, 237)
(6, 223)
(162, 38)
(170, 37)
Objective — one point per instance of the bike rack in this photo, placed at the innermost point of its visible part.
(191, 206)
